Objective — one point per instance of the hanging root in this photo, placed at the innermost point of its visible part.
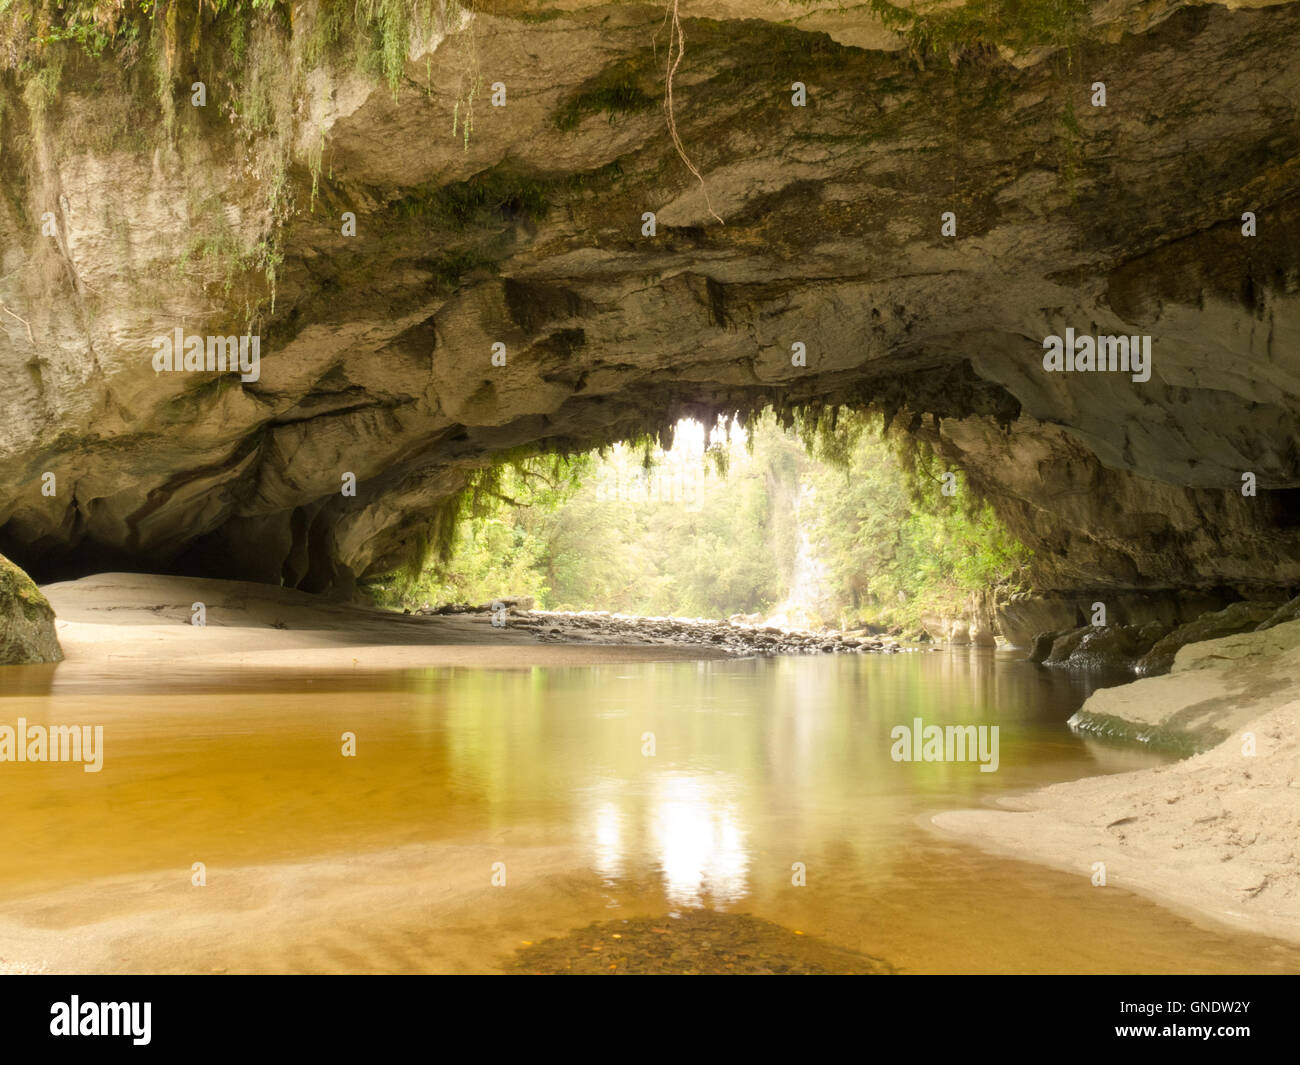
(676, 49)
(23, 320)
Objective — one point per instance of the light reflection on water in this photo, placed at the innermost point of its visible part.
(698, 840)
(757, 765)
(686, 828)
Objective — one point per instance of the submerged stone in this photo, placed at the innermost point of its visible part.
(697, 942)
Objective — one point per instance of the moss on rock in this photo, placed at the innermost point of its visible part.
(26, 620)
(1162, 737)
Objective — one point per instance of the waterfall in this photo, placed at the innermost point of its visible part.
(804, 603)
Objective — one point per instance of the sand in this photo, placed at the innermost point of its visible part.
(134, 621)
(370, 913)
(1216, 836)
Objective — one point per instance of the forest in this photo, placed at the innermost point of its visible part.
(822, 522)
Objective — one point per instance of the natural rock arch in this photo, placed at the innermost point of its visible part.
(377, 347)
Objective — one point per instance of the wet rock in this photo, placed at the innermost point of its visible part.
(1063, 646)
(1114, 646)
(602, 627)
(27, 633)
(1022, 618)
(1043, 646)
(1214, 688)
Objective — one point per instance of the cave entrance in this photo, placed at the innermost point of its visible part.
(811, 520)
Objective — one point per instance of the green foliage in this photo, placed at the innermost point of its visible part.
(894, 545)
(826, 436)
(493, 194)
(643, 531)
(450, 267)
(488, 538)
(377, 31)
(615, 91)
(950, 31)
(657, 544)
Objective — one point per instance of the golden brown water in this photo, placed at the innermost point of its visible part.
(384, 862)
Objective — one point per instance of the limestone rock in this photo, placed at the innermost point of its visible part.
(27, 633)
(1106, 646)
(510, 602)
(376, 347)
(1239, 649)
(1288, 611)
(1215, 687)
(959, 632)
(1042, 646)
(1239, 617)
(1064, 645)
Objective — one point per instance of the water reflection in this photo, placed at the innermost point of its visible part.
(698, 838)
(793, 749)
(609, 844)
(757, 764)
(685, 829)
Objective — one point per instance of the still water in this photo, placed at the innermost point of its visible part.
(543, 779)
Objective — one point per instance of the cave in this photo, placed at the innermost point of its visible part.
(376, 348)
(460, 232)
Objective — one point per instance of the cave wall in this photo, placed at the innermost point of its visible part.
(376, 347)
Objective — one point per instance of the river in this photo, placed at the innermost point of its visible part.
(593, 794)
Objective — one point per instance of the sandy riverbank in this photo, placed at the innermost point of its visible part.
(1215, 836)
(136, 621)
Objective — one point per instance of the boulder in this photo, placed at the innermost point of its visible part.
(1246, 616)
(1024, 619)
(1101, 646)
(1042, 646)
(1114, 646)
(1063, 646)
(515, 602)
(1288, 611)
(1215, 688)
(1242, 649)
(26, 620)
